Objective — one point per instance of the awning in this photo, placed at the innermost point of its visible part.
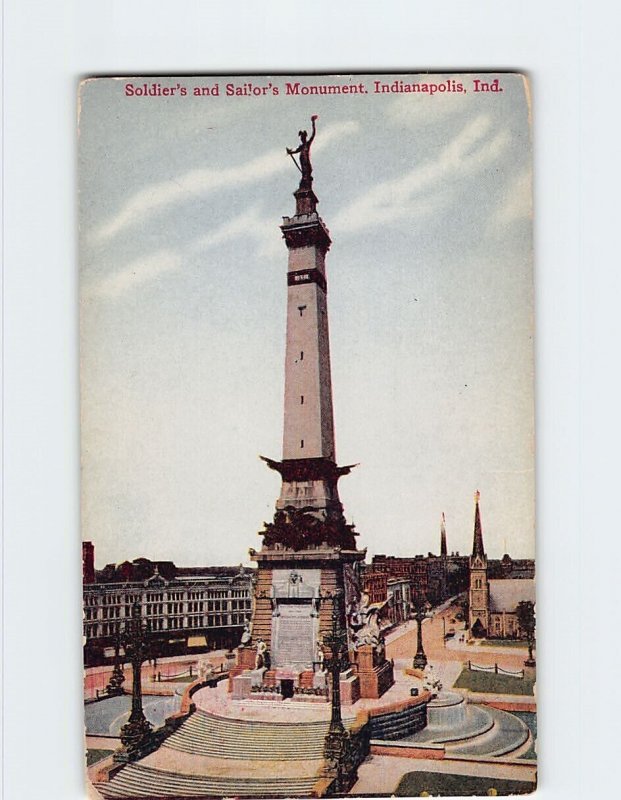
(197, 641)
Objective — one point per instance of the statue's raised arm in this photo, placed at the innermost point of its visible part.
(303, 149)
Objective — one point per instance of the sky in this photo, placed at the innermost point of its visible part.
(183, 297)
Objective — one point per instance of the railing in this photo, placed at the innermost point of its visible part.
(95, 682)
(495, 669)
(186, 673)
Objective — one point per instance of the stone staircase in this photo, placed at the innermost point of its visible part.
(136, 780)
(208, 735)
(235, 756)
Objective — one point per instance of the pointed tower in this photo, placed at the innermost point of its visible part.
(309, 562)
(443, 550)
(479, 585)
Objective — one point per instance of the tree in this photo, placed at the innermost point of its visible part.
(526, 620)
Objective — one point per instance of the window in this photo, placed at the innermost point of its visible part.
(301, 399)
(301, 309)
(301, 444)
(301, 355)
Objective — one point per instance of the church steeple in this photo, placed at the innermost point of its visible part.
(477, 544)
(479, 584)
(443, 550)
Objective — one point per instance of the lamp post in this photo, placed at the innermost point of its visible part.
(117, 678)
(337, 743)
(420, 659)
(137, 730)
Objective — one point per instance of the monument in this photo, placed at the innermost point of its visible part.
(309, 555)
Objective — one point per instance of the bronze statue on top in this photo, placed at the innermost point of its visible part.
(305, 167)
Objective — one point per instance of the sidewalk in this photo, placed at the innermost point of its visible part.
(477, 648)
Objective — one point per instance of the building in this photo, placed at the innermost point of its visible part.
(399, 597)
(436, 578)
(88, 562)
(493, 602)
(392, 594)
(413, 569)
(187, 609)
(375, 584)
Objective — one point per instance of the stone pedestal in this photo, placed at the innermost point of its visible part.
(246, 657)
(375, 673)
(350, 688)
(320, 680)
(256, 676)
(241, 687)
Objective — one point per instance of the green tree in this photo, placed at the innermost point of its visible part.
(526, 620)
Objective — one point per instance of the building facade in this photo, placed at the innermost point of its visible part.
(189, 610)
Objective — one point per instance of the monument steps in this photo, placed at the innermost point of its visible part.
(136, 780)
(208, 735)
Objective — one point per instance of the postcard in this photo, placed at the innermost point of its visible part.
(307, 435)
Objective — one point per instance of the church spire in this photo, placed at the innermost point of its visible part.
(477, 544)
(443, 551)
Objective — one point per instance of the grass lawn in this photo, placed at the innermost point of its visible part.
(504, 643)
(531, 720)
(496, 684)
(437, 783)
(93, 756)
(182, 679)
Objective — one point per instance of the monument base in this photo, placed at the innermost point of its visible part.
(350, 688)
(375, 673)
(246, 657)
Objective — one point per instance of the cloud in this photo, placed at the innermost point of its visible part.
(430, 185)
(247, 224)
(138, 272)
(157, 197)
(143, 270)
(518, 202)
(419, 110)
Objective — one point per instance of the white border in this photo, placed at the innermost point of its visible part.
(567, 48)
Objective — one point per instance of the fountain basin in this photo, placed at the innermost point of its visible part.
(446, 710)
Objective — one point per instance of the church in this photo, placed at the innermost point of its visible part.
(493, 602)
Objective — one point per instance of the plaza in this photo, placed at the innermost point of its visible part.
(229, 747)
(316, 690)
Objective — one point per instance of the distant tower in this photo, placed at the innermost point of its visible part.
(479, 585)
(88, 562)
(443, 550)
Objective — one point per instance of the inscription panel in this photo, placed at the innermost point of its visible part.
(294, 633)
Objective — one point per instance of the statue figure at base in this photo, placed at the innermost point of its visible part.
(205, 670)
(365, 623)
(261, 659)
(431, 682)
(320, 657)
(246, 636)
(303, 149)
